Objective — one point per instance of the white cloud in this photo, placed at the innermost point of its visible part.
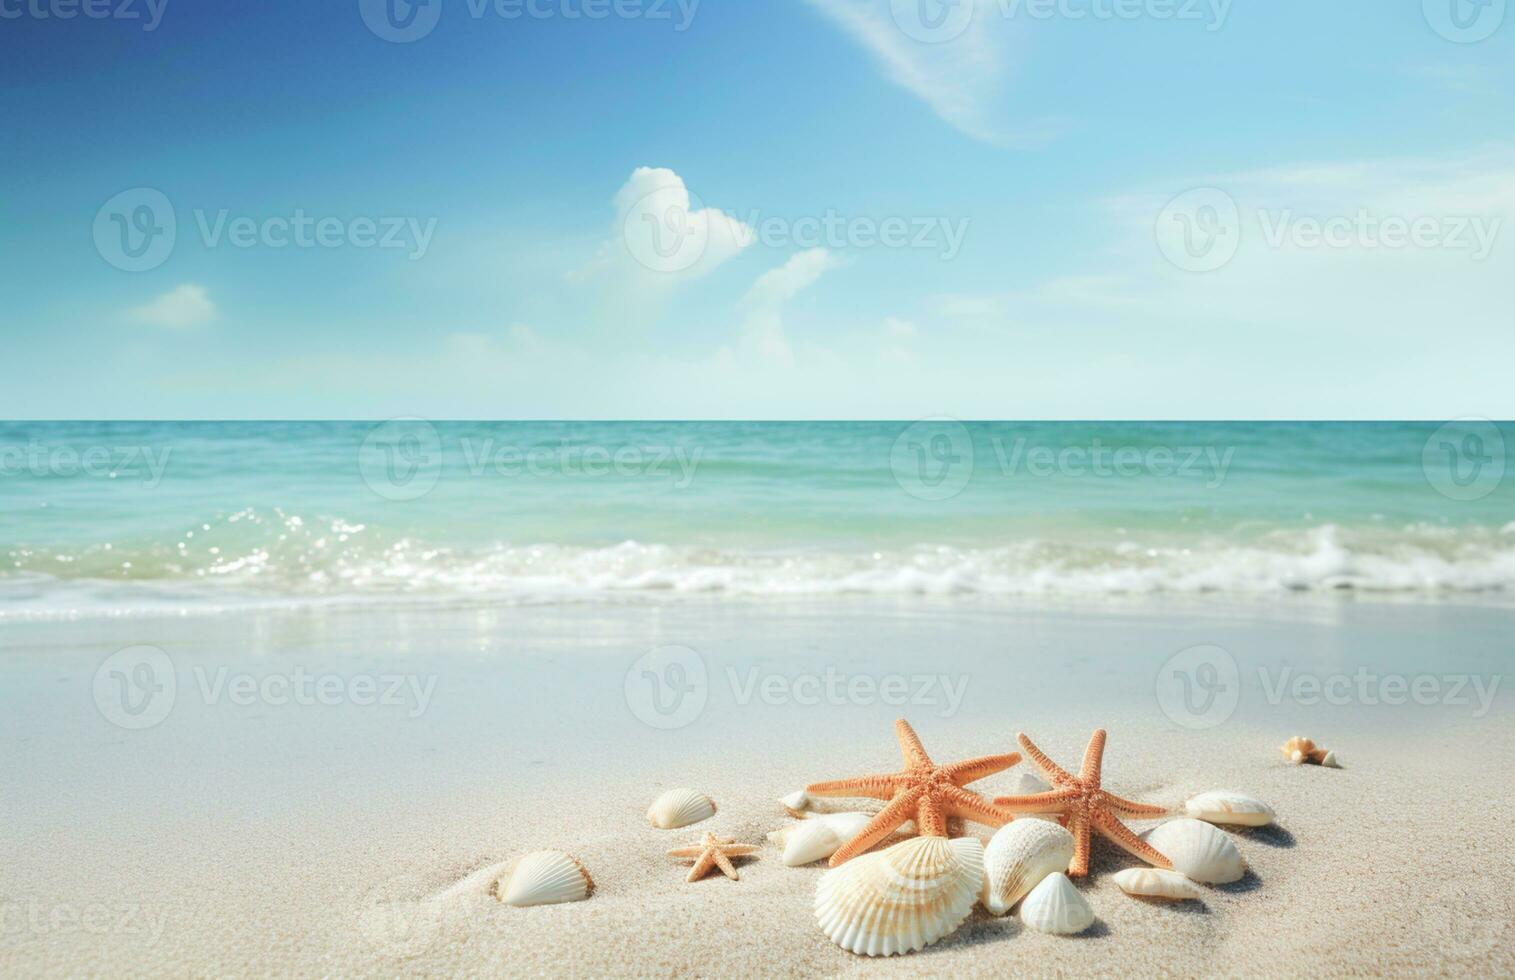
(897, 329)
(663, 230)
(179, 309)
(762, 333)
(955, 74)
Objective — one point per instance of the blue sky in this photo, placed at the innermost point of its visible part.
(1038, 162)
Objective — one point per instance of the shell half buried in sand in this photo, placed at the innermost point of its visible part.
(1018, 857)
(1198, 850)
(1156, 883)
(544, 878)
(1224, 806)
(1057, 907)
(818, 837)
(680, 808)
(903, 898)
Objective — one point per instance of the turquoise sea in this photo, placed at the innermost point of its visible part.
(125, 517)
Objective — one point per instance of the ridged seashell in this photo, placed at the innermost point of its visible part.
(1156, 883)
(1198, 850)
(544, 878)
(1227, 807)
(903, 898)
(1018, 857)
(680, 808)
(818, 837)
(1300, 750)
(1056, 907)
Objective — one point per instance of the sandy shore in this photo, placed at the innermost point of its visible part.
(314, 838)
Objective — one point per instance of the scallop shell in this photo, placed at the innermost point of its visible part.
(1198, 850)
(1056, 907)
(903, 898)
(680, 808)
(818, 837)
(1018, 857)
(1156, 883)
(544, 878)
(1227, 807)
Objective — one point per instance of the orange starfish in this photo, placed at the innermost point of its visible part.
(923, 791)
(713, 852)
(1084, 806)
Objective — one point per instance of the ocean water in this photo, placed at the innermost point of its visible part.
(128, 517)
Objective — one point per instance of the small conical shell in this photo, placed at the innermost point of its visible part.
(1018, 857)
(1056, 907)
(818, 837)
(1198, 850)
(1330, 761)
(900, 899)
(680, 808)
(1156, 883)
(796, 802)
(1227, 807)
(544, 878)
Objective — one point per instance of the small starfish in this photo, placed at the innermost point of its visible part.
(1083, 806)
(713, 852)
(924, 791)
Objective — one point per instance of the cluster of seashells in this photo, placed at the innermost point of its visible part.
(907, 896)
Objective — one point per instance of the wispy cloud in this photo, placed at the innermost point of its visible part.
(762, 330)
(954, 67)
(179, 309)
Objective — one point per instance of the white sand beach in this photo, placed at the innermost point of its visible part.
(274, 836)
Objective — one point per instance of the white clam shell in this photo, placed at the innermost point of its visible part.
(1228, 807)
(819, 837)
(1018, 857)
(544, 878)
(1056, 907)
(903, 898)
(796, 801)
(680, 808)
(1199, 850)
(1156, 883)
